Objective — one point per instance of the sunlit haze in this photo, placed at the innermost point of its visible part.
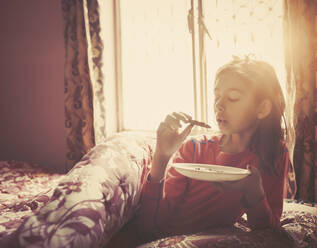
(157, 62)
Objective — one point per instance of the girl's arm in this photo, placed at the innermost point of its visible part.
(266, 213)
(160, 198)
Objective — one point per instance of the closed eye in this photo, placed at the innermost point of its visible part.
(234, 95)
(233, 99)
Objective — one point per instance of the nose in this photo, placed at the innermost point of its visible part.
(219, 105)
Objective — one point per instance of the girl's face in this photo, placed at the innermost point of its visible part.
(235, 105)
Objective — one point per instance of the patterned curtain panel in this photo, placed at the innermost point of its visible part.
(84, 99)
(300, 53)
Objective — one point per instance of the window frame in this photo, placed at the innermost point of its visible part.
(197, 30)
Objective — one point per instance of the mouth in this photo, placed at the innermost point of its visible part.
(221, 121)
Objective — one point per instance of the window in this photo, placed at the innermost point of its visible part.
(170, 51)
(157, 70)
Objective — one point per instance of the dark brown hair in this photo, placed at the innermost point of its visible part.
(266, 140)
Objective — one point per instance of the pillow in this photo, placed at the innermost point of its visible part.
(94, 200)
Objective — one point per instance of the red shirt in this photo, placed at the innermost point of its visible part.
(179, 205)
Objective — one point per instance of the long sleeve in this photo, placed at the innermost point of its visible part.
(179, 204)
(156, 205)
(268, 211)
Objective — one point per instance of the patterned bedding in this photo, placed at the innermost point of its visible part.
(90, 204)
(24, 188)
(298, 229)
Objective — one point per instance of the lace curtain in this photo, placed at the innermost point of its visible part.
(244, 27)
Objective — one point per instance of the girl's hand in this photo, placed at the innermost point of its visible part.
(168, 141)
(251, 186)
(169, 138)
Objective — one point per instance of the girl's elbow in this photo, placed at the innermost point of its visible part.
(273, 223)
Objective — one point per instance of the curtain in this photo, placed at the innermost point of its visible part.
(83, 78)
(300, 56)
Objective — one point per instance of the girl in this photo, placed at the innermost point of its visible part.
(248, 105)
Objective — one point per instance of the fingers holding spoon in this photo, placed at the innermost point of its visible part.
(188, 119)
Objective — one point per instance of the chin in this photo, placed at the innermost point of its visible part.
(226, 132)
(224, 129)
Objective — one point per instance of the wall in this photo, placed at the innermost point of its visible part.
(31, 82)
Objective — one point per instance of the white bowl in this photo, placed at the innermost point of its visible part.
(210, 172)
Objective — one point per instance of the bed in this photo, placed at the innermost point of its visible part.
(24, 188)
(91, 203)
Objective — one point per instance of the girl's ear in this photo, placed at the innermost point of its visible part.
(264, 109)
